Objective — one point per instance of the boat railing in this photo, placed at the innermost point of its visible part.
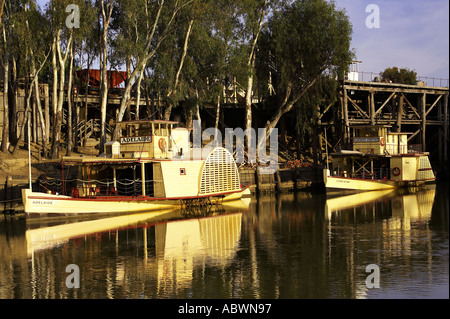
(93, 188)
(379, 173)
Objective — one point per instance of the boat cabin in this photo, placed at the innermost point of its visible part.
(152, 139)
(378, 140)
(380, 154)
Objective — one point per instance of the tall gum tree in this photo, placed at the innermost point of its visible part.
(5, 62)
(62, 43)
(61, 46)
(27, 31)
(163, 15)
(106, 8)
(174, 87)
(303, 41)
(255, 13)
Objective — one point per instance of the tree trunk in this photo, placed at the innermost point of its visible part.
(285, 107)
(106, 17)
(104, 95)
(216, 126)
(140, 66)
(88, 76)
(69, 141)
(59, 109)
(53, 151)
(248, 110)
(138, 93)
(39, 107)
(180, 67)
(47, 120)
(5, 131)
(12, 101)
(249, 93)
(197, 109)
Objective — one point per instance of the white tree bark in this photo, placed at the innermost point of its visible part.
(106, 18)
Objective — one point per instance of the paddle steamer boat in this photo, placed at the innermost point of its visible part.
(379, 160)
(151, 167)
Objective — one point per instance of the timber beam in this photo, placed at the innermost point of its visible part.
(420, 110)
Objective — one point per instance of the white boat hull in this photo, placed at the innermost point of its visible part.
(354, 184)
(41, 204)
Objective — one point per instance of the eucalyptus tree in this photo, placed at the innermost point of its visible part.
(303, 41)
(254, 13)
(216, 58)
(174, 68)
(62, 40)
(85, 46)
(203, 75)
(8, 34)
(174, 79)
(5, 64)
(63, 37)
(154, 21)
(33, 33)
(27, 30)
(106, 8)
(80, 31)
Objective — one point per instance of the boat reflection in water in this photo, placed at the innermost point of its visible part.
(292, 246)
(386, 227)
(168, 244)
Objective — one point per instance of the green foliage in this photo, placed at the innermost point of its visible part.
(302, 41)
(306, 38)
(26, 31)
(396, 75)
(322, 93)
(303, 51)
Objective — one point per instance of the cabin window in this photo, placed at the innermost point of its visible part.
(131, 130)
(182, 171)
(145, 129)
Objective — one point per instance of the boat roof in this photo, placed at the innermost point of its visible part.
(74, 160)
(92, 160)
(148, 121)
(348, 153)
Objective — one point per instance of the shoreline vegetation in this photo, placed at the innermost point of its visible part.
(182, 60)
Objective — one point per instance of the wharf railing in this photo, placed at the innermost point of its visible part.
(376, 77)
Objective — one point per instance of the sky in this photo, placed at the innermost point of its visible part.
(412, 34)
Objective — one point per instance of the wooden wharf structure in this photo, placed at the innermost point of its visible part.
(417, 109)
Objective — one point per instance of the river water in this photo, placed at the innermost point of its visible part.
(296, 246)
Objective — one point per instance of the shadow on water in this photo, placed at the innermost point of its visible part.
(299, 245)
